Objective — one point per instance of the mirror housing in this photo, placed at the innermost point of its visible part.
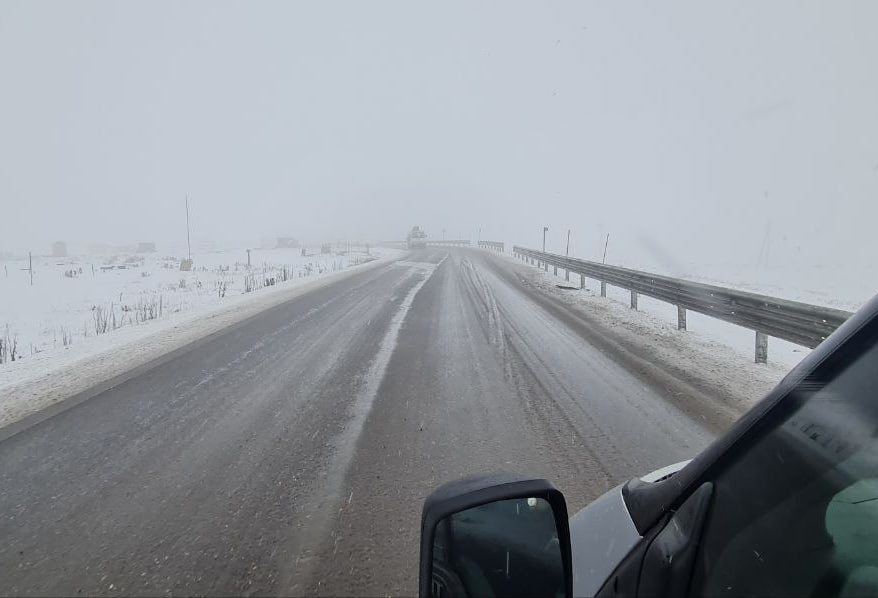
(482, 497)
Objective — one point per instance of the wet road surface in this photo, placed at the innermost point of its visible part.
(290, 454)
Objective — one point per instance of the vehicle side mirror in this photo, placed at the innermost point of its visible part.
(498, 535)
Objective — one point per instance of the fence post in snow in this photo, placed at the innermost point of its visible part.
(555, 273)
(633, 300)
(582, 281)
(761, 347)
(546, 266)
(603, 289)
(566, 274)
(681, 317)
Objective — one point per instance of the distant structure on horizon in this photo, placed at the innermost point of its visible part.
(287, 243)
(59, 249)
(145, 247)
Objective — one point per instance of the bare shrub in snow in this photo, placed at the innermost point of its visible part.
(101, 318)
(149, 308)
(8, 346)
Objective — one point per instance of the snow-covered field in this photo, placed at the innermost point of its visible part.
(75, 299)
(74, 331)
(843, 286)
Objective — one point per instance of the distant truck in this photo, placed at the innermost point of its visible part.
(417, 238)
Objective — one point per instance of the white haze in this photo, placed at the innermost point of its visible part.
(688, 131)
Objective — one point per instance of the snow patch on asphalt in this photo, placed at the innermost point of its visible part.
(388, 343)
(48, 378)
(334, 475)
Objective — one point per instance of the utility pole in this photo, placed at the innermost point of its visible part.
(607, 242)
(188, 243)
(248, 259)
(30, 267)
(568, 243)
(545, 230)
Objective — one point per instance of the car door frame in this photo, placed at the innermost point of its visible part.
(651, 505)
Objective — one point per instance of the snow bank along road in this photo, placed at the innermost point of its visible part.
(290, 454)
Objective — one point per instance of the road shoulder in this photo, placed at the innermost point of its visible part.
(46, 384)
(706, 379)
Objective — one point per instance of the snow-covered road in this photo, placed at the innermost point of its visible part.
(289, 453)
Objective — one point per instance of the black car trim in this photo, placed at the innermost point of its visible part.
(648, 502)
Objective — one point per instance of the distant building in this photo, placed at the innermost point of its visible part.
(145, 247)
(59, 249)
(287, 243)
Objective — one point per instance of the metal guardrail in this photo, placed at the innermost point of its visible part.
(452, 242)
(799, 323)
(493, 245)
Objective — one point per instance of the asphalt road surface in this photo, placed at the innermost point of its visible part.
(290, 454)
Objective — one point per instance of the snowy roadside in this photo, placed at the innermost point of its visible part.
(44, 379)
(706, 358)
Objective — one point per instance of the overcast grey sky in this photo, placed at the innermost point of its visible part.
(681, 128)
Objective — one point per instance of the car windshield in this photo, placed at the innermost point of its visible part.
(272, 272)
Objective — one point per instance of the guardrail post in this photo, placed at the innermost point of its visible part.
(603, 289)
(761, 347)
(681, 317)
(633, 300)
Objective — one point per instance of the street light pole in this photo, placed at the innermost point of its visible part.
(545, 230)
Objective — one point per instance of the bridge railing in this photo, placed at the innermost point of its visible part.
(799, 323)
(497, 246)
(451, 242)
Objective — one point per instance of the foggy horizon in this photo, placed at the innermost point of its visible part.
(314, 398)
(721, 129)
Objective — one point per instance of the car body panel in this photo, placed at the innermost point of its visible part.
(665, 472)
(601, 535)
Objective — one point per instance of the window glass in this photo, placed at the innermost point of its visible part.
(797, 513)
